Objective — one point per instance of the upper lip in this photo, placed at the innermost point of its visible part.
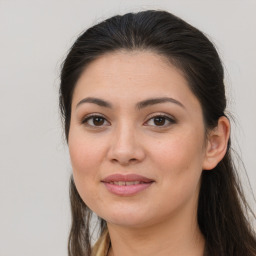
(126, 178)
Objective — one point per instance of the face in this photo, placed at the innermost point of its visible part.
(136, 140)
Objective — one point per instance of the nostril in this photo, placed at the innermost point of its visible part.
(125, 162)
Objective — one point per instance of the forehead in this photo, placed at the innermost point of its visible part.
(132, 65)
(133, 76)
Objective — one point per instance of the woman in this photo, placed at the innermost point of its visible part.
(143, 102)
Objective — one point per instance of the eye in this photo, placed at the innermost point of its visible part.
(161, 121)
(95, 121)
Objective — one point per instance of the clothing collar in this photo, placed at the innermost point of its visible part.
(101, 247)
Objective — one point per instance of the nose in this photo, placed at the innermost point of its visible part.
(125, 147)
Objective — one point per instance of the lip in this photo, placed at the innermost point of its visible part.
(123, 189)
(127, 177)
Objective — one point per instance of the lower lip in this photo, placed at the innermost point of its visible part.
(129, 190)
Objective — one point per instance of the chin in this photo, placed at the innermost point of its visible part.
(128, 223)
(132, 218)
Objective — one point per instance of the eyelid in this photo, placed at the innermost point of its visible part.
(91, 116)
(170, 118)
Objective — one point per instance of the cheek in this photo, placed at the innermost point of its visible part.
(85, 152)
(183, 148)
(85, 155)
(180, 160)
(179, 163)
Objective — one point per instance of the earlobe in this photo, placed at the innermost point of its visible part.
(217, 143)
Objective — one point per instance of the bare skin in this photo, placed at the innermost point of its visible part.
(163, 141)
(183, 239)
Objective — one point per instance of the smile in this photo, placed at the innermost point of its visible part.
(126, 185)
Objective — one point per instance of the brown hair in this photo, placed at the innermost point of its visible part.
(222, 204)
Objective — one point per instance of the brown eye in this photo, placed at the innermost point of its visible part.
(95, 121)
(160, 121)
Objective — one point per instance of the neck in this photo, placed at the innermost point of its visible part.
(177, 237)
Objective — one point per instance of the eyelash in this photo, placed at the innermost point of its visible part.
(90, 117)
(166, 117)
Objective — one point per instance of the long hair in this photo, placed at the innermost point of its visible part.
(222, 205)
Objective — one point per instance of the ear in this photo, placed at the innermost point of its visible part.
(217, 142)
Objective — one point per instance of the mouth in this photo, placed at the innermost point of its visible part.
(126, 185)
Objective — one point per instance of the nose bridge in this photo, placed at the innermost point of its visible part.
(125, 136)
(125, 145)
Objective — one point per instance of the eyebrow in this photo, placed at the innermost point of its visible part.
(139, 105)
(153, 101)
(96, 101)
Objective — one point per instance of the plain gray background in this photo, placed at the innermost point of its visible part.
(34, 167)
